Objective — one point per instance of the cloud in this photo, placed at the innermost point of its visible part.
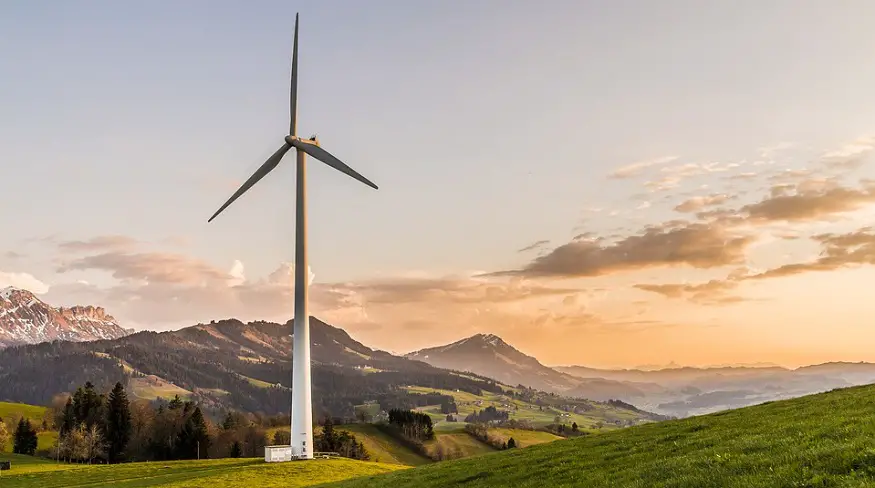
(150, 268)
(696, 204)
(535, 245)
(697, 169)
(237, 273)
(746, 176)
(670, 244)
(675, 175)
(851, 155)
(24, 281)
(635, 169)
(663, 184)
(801, 203)
(773, 149)
(837, 251)
(285, 275)
(99, 243)
(13, 255)
(454, 290)
(713, 292)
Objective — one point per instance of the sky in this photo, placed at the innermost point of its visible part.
(600, 183)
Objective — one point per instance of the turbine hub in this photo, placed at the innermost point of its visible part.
(291, 139)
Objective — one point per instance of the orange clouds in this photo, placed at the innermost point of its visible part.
(635, 169)
(671, 244)
(711, 293)
(696, 204)
(150, 267)
(99, 243)
(838, 251)
(809, 205)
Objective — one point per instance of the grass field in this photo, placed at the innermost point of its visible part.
(45, 441)
(9, 411)
(256, 383)
(820, 440)
(458, 445)
(34, 413)
(223, 473)
(383, 448)
(142, 388)
(523, 438)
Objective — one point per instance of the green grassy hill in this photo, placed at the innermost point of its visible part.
(818, 440)
(524, 438)
(28, 472)
(382, 447)
(9, 411)
(32, 412)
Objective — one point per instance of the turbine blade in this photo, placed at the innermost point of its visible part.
(322, 155)
(293, 96)
(265, 168)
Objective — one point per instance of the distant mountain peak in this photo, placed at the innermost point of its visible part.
(6, 293)
(25, 319)
(489, 355)
(492, 340)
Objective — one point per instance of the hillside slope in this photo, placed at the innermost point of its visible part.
(826, 439)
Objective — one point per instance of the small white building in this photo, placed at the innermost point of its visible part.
(278, 454)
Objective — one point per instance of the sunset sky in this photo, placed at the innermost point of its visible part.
(599, 183)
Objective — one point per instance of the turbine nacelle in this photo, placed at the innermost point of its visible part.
(293, 140)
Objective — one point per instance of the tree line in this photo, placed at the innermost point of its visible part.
(488, 414)
(96, 427)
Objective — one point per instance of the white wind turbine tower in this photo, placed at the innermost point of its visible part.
(302, 407)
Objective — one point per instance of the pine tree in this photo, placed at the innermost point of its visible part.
(236, 449)
(329, 437)
(194, 439)
(574, 427)
(511, 443)
(25, 440)
(88, 406)
(175, 403)
(118, 423)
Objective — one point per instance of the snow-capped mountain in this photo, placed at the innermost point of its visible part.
(25, 319)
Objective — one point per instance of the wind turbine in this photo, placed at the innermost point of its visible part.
(302, 407)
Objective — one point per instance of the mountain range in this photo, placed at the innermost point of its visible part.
(248, 366)
(675, 391)
(25, 319)
(229, 364)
